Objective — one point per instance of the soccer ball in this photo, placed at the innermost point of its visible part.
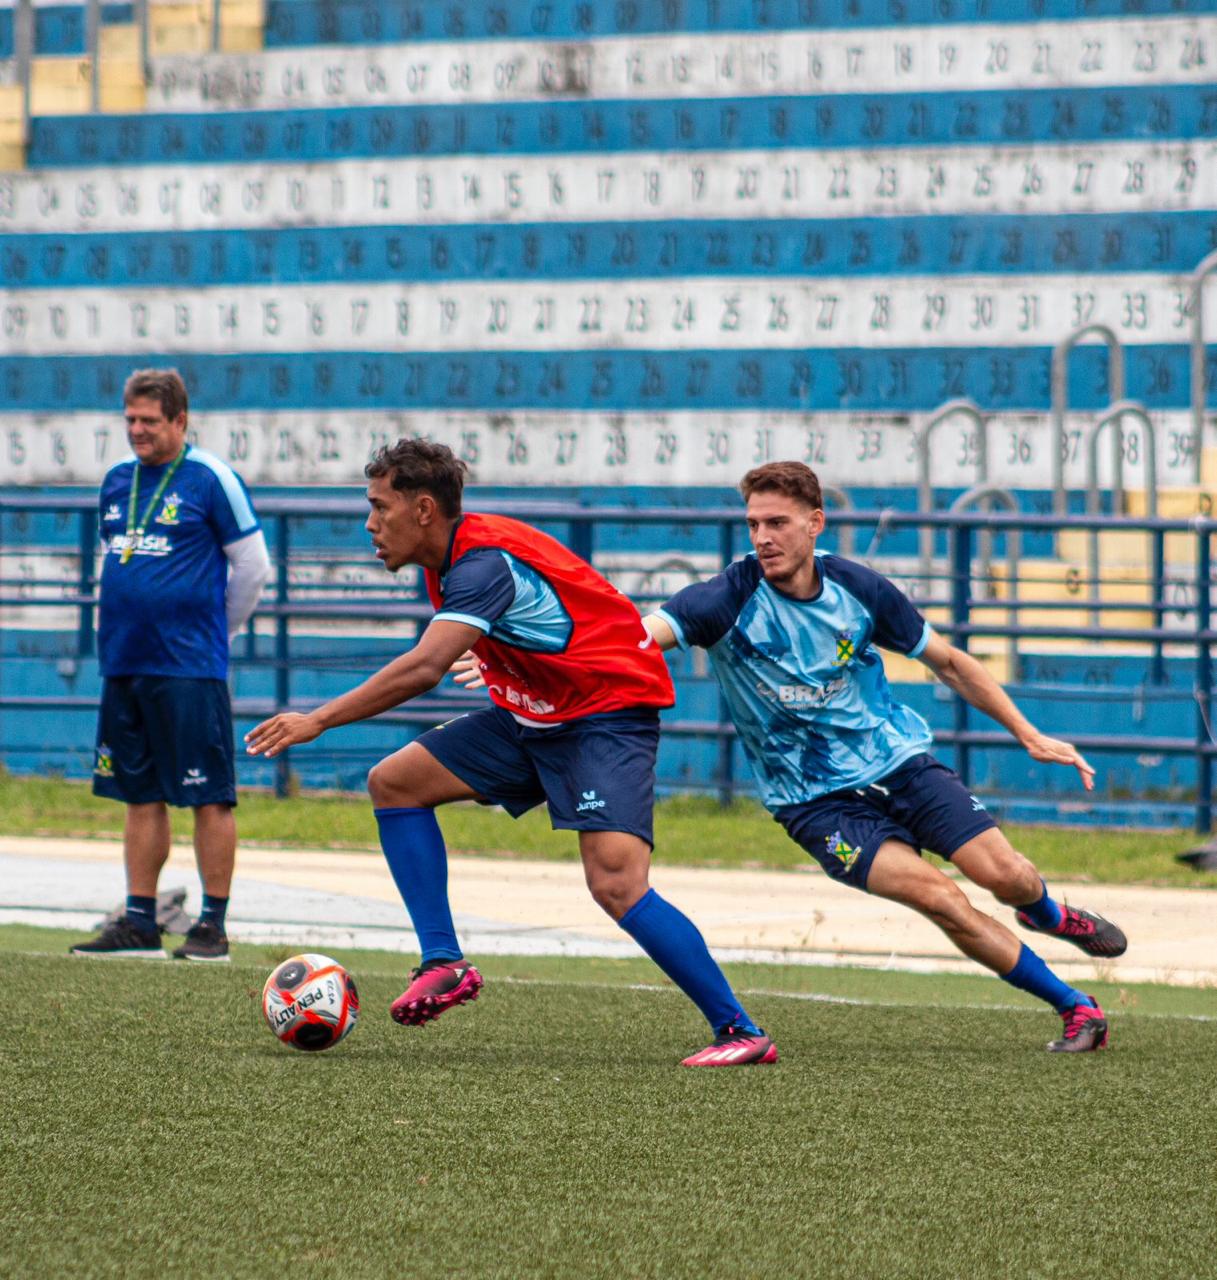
(310, 1002)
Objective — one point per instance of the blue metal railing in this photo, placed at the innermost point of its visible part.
(957, 602)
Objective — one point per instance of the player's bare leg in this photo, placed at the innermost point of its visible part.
(215, 847)
(898, 874)
(405, 788)
(992, 862)
(616, 865)
(413, 778)
(145, 846)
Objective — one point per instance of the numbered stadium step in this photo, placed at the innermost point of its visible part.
(12, 148)
(1178, 504)
(992, 653)
(1118, 549)
(1064, 579)
(186, 28)
(61, 86)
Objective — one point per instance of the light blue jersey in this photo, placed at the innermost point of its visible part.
(802, 679)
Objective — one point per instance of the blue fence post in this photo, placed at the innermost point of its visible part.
(726, 753)
(87, 581)
(283, 689)
(581, 539)
(1204, 678)
(1157, 669)
(961, 599)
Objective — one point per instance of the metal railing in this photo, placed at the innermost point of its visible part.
(1060, 403)
(1199, 388)
(1194, 635)
(961, 408)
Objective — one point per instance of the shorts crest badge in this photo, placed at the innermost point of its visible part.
(842, 850)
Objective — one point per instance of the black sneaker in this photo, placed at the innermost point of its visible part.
(1085, 929)
(120, 939)
(204, 941)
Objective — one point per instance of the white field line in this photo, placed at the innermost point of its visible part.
(812, 997)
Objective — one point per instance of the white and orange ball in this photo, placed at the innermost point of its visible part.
(310, 1002)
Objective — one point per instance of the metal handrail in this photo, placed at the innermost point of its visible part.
(844, 503)
(1060, 400)
(93, 51)
(1014, 553)
(23, 51)
(1115, 415)
(1204, 268)
(961, 408)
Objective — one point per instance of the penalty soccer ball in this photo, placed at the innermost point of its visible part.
(310, 1002)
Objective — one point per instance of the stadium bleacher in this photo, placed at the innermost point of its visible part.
(620, 253)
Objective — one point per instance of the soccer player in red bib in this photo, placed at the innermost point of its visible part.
(576, 686)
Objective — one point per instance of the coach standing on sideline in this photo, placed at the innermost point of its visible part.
(184, 563)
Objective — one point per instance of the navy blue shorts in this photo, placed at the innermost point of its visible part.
(165, 738)
(596, 773)
(923, 803)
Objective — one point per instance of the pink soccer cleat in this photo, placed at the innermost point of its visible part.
(735, 1047)
(1085, 929)
(1085, 1030)
(434, 987)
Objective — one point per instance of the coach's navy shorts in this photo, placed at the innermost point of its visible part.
(923, 803)
(165, 738)
(596, 773)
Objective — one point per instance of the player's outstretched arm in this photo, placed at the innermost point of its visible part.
(404, 678)
(660, 631)
(961, 672)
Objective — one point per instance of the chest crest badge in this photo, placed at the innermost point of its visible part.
(169, 509)
(845, 648)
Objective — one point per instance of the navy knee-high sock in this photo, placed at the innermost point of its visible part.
(673, 941)
(414, 849)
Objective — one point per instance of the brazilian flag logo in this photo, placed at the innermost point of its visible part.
(104, 767)
(842, 850)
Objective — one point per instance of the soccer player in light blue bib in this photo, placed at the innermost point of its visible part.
(793, 635)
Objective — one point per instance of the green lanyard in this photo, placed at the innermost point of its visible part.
(136, 531)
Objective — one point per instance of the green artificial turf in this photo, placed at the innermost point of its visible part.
(152, 1124)
(689, 831)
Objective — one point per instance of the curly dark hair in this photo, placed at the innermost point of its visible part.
(425, 465)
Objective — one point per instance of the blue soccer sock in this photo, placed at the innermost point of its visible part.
(414, 849)
(1032, 975)
(673, 941)
(1045, 913)
(214, 911)
(141, 912)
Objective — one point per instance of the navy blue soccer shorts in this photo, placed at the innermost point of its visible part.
(923, 803)
(596, 773)
(165, 738)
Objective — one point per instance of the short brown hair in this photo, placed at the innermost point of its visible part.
(162, 385)
(422, 464)
(794, 479)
